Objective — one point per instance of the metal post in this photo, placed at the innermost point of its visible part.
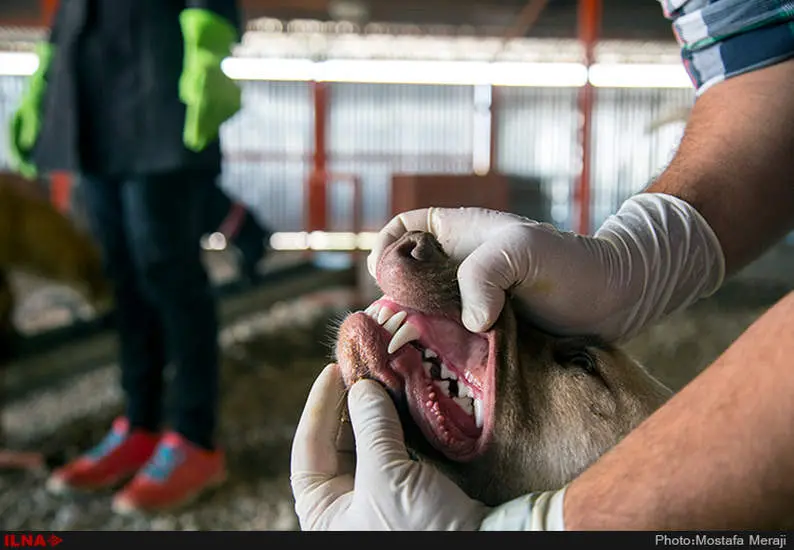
(589, 23)
(48, 8)
(317, 185)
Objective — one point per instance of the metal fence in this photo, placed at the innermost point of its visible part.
(376, 130)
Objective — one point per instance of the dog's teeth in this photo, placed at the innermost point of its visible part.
(427, 366)
(478, 420)
(464, 404)
(443, 385)
(373, 311)
(384, 315)
(465, 391)
(406, 333)
(428, 353)
(395, 321)
(446, 373)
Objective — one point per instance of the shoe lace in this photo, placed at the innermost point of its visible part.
(112, 440)
(164, 461)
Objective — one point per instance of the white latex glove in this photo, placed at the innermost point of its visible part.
(385, 490)
(378, 487)
(655, 256)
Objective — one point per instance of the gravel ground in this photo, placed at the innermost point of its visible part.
(270, 361)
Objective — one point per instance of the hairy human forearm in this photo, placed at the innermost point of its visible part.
(735, 164)
(717, 455)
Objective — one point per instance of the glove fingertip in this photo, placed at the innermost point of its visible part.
(371, 264)
(482, 305)
(366, 390)
(474, 320)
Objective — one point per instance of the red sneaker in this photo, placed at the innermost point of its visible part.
(176, 474)
(120, 454)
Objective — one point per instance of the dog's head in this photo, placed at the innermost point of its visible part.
(505, 412)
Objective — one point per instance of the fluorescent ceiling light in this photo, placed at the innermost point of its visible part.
(322, 240)
(408, 72)
(636, 75)
(301, 240)
(470, 73)
(18, 63)
(268, 69)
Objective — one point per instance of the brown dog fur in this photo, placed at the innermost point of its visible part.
(35, 238)
(560, 403)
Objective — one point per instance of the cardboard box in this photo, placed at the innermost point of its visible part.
(409, 192)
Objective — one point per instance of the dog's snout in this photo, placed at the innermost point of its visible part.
(421, 247)
(416, 273)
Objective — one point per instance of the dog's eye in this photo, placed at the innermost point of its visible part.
(578, 360)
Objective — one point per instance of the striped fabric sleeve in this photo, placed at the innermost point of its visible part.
(720, 39)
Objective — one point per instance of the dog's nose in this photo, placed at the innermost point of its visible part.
(420, 246)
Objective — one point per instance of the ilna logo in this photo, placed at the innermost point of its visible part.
(12, 540)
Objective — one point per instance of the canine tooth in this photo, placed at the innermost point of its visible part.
(478, 419)
(384, 315)
(446, 373)
(430, 353)
(443, 385)
(405, 334)
(370, 309)
(464, 404)
(395, 321)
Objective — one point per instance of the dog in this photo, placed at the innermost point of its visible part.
(503, 413)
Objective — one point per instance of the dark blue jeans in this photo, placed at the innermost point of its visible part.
(149, 229)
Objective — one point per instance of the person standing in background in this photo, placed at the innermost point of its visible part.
(130, 95)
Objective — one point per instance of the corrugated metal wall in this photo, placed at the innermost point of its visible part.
(376, 130)
(626, 153)
(537, 133)
(268, 151)
(11, 88)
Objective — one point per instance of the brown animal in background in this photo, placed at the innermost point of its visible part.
(502, 413)
(35, 238)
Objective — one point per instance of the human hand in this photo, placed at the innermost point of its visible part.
(26, 122)
(210, 96)
(656, 255)
(371, 484)
(22, 124)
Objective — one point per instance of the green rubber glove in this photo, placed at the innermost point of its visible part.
(26, 122)
(211, 97)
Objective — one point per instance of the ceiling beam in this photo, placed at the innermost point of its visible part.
(629, 19)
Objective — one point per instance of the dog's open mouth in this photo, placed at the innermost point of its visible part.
(444, 373)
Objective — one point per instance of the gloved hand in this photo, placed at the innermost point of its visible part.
(211, 97)
(26, 121)
(657, 254)
(377, 487)
(372, 484)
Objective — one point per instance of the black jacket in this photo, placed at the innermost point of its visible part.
(112, 103)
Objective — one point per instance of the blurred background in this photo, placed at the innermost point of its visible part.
(354, 110)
